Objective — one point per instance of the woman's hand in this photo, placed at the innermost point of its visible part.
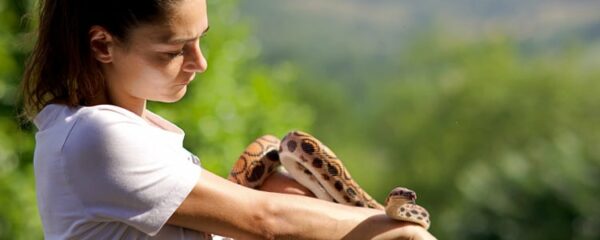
(381, 227)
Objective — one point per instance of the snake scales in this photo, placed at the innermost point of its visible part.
(315, 166)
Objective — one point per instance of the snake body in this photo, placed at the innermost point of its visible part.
(315, 166)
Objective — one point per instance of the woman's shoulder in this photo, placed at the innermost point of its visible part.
(97, 119)
(109, 121)
(107, 114)
(107, 127)
(98, 113)
(98, 126)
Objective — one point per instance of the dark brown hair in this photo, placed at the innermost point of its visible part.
(61, 67)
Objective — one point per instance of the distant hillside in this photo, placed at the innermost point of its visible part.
(519, 17)
(349, 40)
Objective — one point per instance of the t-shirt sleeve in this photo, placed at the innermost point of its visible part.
(121, 171)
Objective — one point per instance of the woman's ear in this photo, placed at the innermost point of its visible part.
(101, 43)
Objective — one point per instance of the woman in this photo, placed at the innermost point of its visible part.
(106, 167)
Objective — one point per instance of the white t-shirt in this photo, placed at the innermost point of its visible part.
(103, 172)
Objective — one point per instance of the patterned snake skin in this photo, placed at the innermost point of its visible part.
(315, 166)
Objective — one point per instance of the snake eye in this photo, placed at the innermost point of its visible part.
(398, 192)
(404, 193)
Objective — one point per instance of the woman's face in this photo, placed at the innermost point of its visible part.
(158, 61)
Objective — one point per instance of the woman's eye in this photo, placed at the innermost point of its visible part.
(175, 54)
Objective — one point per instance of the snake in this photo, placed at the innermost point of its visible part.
(312, 164)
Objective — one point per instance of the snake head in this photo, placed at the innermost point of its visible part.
(403, 194)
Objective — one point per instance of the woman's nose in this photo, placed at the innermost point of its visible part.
(195, 61)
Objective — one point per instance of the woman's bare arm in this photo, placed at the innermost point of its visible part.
(218, 206)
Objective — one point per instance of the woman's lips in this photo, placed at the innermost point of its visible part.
(188, 81)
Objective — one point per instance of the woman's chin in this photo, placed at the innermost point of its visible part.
(171, 98)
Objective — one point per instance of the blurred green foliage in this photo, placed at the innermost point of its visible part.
(509, 138)
(499, 144)
(18, 211)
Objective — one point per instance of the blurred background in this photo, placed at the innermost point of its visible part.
(489, 110)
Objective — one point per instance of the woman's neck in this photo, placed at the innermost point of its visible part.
(133, 104)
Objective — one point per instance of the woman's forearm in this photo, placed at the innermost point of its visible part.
(219, 206)
(297, 217)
